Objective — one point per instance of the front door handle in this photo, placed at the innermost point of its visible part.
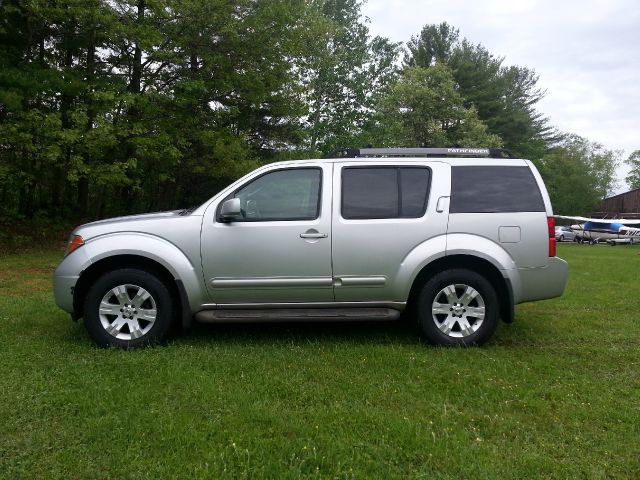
(313, 235)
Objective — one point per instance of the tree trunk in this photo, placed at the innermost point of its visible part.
(135, 84)
(83, 181)
(66, 105)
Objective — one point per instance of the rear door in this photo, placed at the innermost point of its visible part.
(381, 213)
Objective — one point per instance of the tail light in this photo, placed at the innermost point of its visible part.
(551, 224)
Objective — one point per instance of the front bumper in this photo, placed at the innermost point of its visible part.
(63, 291)
(66, 276)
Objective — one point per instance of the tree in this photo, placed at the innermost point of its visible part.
(503, 96)
(633, 178)
(425, 109)
(52, 93)
(118, 106)
(344, 77)
(128, 105)
(435, 44)
(579, 174)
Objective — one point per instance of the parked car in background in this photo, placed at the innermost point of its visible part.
(565, 234)
(457, 235)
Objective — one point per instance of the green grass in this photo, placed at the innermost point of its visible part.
(556, 394)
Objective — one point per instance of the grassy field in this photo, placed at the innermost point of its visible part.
(554, 395)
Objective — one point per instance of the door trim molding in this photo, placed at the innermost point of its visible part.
(271, 282)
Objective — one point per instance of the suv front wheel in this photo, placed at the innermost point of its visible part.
(128, 308)
(458, 307)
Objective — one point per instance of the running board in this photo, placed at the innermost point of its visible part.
(296, 315)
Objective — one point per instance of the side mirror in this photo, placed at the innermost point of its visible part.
(230, 209)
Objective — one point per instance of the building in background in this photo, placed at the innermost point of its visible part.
(623, 205)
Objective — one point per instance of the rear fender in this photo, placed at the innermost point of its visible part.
(482, 247)
(455, 244)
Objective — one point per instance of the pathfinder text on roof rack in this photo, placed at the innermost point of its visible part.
(423, 152)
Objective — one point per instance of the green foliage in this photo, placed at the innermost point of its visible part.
(109, 107)
(633, 178)
(579, 174)
(424, 108)
(118, 106)
(435, 44)
(344, 77)
(504, 97)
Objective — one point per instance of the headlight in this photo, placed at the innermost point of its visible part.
(74, 242)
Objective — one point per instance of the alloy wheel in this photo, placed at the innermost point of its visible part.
(458, 310)
(127, 312)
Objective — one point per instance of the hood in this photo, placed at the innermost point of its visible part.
(158, 223)
(133, 218)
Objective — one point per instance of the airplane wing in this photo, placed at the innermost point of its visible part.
(565, 217)
(600, 220)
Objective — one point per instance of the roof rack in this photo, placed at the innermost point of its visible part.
(422, 152)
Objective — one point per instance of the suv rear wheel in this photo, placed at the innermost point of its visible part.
(458, 307)
(128, 308)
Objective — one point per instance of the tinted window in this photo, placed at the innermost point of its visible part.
(369, 193)
(292, 194)
(384, 192)
(481, 189)
(414, 185)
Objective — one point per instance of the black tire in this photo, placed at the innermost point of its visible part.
(476, 333)
(561, 239)
(145, 331)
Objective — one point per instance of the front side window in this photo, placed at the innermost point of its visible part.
(291, 194)
(384, 192)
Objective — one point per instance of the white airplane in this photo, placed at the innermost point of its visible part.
(614, 231)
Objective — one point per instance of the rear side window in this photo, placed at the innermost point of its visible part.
(489, 189)
(384, 192)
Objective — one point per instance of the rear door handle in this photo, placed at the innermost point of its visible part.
(442, 204)
(313, 235)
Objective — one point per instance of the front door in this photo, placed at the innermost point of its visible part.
(279, 251)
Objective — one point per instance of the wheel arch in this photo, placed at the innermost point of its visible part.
(502, 286)
(116, 261)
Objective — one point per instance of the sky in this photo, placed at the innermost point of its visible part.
(587, 54)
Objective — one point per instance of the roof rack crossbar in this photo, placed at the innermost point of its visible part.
(424, 152)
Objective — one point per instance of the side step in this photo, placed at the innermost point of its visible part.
(297, 315)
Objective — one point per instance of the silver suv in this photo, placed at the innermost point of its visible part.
(457, 237)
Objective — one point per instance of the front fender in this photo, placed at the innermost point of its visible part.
(154, 248)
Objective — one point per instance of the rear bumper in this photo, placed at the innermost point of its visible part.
(543, 282)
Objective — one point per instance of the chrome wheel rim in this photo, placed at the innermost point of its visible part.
(128, 312)
(458, 310)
